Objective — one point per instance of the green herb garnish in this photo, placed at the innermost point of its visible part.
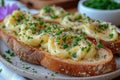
(52, 74)
(47, 8)
(103, 26)
(41, 41)
(110, 35)
(41, 22)
(7, 51)
(59, 32)
(6, 58)
(83, 48)
(74, 55)
(100, 45)
(65, 45)
(102, 4)
(29, 37)
(3, 26)
(34, 71)
(26, 67)
(53, 16)
(10, 53)
(75, 43)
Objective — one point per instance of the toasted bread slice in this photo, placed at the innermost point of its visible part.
(54, 47)
(103, 64)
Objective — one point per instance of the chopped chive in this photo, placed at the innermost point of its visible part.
(59, 32)
(41, 41)
(6, 58)
(47, 8)
(29, 37)
(64, 37)
(83, 48)
(3, 26)
(52, 74)
(57, 39)
(7, 51)
(26, 67)
(74, 55)
(12, 54)
(88, 49)
(110, 35)
(53, 16)
(41, 22)
(100, 45)
(34, 71)
(103, 26)
(75, 43)
(21, 59)
(69, 18)
(65, 45)
(71, 28)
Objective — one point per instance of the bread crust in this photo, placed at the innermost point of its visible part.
(27, 53)
(76, 68)
(114, 46)
(64, 66)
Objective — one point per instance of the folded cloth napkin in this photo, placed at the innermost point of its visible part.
(7, 74)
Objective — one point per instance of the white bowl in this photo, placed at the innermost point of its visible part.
(112, 16)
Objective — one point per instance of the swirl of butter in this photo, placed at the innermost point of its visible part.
(109, 34)
(57, 11)
(10, 21)
(73, 20)
(86, 53)
(55, 49)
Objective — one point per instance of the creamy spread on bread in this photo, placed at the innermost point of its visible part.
(93, 28)
(73, 20)
(54, 38)
(101, 31)
(52, 13)
(96, 29)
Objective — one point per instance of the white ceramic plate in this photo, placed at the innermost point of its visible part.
(45, 74)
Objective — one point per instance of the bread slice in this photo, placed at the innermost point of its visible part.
(103, 64)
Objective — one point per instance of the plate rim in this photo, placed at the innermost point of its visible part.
(27, 73)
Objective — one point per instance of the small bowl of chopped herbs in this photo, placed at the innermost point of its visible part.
(104, 10)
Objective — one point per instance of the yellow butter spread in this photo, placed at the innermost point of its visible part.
(52, 13)
(54, 38)
(93, 28)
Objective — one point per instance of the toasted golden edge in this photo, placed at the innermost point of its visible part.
(114, 46)
(64, 66)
